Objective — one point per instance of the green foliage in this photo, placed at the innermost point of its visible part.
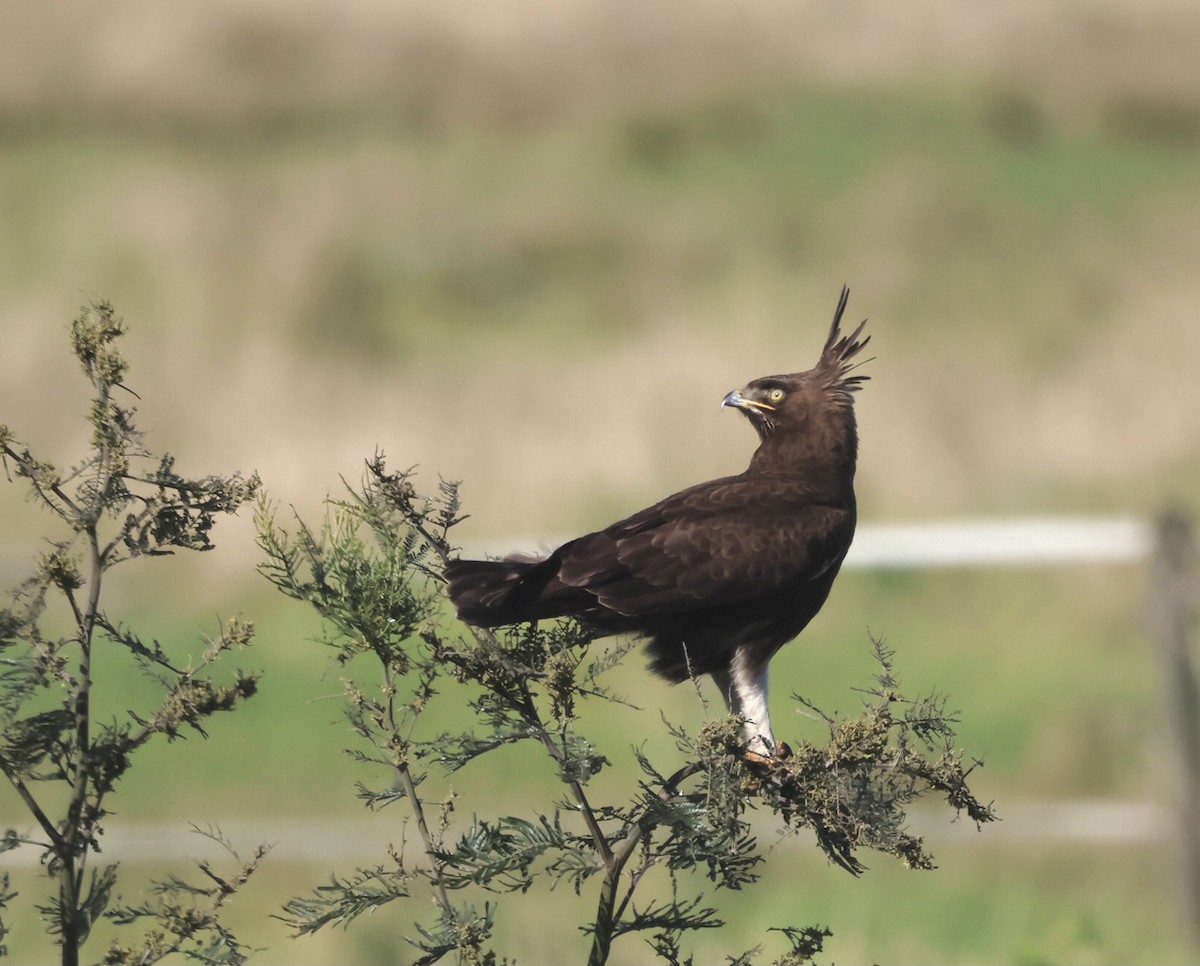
(120, 503)
(183, 917)
(852, 792)
(6, 894)
(373, 571)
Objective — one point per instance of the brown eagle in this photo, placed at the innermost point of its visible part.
(721, 575)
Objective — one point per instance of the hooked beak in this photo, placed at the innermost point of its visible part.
(738, 401)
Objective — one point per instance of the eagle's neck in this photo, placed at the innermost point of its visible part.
(825, 453)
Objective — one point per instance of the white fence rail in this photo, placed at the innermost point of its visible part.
(1019, 541)
(1032, 540)
(299, 841)
(943, 543)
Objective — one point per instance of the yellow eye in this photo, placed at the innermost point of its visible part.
(775, 395)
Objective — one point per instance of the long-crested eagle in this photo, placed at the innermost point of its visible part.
(721, 575)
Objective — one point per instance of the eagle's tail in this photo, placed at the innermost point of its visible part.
(492, 593)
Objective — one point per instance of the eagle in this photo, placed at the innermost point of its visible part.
(717, 577)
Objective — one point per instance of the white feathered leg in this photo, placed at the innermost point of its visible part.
(744, 688)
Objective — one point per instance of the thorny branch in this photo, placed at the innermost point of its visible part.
(374, 574)
(66, 747)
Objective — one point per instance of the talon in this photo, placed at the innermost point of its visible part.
(772, 762)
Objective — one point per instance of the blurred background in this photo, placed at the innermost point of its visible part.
(530, 246)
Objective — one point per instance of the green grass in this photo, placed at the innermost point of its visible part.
(1065, 707)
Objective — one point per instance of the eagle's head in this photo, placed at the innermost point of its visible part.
(817, 403)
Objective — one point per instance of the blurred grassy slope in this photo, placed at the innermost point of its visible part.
(533, 250)
(521, 310)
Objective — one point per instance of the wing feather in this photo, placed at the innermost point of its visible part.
(731, 540)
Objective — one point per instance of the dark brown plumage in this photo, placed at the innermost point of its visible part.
(721, 575)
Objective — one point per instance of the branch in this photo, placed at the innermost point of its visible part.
(35, 809)
(44, 479)
(607, 915)
(410, 790)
